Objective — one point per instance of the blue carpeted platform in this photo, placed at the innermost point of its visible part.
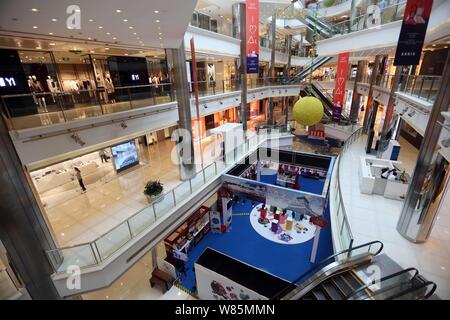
(245, 244)
(306, 184)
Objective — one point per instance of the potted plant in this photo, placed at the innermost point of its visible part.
(153, 190)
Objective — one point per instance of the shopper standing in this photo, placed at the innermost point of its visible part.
(103, 155)
(80, 179)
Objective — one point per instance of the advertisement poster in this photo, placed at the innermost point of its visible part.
(339, 89)
(412, 33)
(125, 155)
(252, 36)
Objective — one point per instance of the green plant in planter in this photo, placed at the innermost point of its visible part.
(153, 188)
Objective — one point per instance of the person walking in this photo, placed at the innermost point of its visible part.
(103, 155)
(80, 179)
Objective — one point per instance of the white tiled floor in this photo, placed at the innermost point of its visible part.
(373, 217)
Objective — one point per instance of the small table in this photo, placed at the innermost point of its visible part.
(161, 278)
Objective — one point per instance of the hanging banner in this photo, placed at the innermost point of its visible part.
(412, 33)
(339, 88)
(252, 35)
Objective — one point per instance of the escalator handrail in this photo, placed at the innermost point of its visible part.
(393, 275)
(414, 288)
(325, 262)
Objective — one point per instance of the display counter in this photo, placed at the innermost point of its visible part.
(371, 180)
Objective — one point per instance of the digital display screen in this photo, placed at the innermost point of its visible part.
(125, 155)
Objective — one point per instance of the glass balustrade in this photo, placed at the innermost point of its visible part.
(23, 111)
(102, 248)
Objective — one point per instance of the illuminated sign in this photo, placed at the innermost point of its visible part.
(7, 82)
(134, 77)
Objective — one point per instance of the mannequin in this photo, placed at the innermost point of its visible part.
(36, 88)
(110, 89)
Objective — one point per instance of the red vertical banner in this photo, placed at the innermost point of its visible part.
(339, 89)
(252, 35)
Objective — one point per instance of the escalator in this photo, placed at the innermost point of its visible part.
(316, 63)
(327, 102)
(341, 277)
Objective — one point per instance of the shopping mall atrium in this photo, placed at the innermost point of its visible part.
(224, 150)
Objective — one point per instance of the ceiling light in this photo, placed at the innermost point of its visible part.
(126, 54)
(52, 43)
(118, 11)
(160, 33)
(108, 33)
(142, 44)
(34, 10)
(38, 48)
(92, 51)
(34, 27)
(114, 38)
(135, 33)
(157, 21)
(160, 38)
(156, 11)
(140, 41)
(89, 38)
(106, 48)
(91, 20)
(50, 33)
(125, 20)
(433, 45)
(141, 51)
(130, 27)
(54, 19)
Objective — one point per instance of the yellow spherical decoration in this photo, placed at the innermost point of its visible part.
(308, 111)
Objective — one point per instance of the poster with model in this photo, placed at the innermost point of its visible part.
(412, 34)
(252, 36)
(125, 155)
(211, 72)
(340, 85)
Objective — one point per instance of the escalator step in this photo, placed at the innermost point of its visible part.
(342, 286)
(352, 280)
(319, 294)
(332, 291)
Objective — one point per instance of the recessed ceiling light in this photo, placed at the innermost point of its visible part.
(106, 48)
(108, 33)
(89, 38)
(54, 19)
(100, 27)
(91, 20)
(135, 33)
(39, 48)
(433, 45)
(159, 28)
(52, 43)
(118, 11)
(130, 27)
(125, 20)
(34, 27)
(142, 44)
(50, 33)
(114, 38)
(157, 21)
(160, 38)
(126, 54)
(140, 41)
(156, 11)
(35, 10)
(160, 33)
(92, 51)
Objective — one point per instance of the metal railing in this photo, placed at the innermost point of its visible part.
(96, 251)
(23, 111)
(420, 86)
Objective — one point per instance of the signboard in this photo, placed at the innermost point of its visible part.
(252, 35)
(412, 33)
(339, 89)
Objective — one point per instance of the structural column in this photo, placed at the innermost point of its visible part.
(431, 174)
(176, 61)
(356, 97)
(239, 31)
(373, 79)
(388, 123)
(273, 28)
(23, 229)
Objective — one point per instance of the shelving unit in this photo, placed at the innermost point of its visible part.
(188, 234)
